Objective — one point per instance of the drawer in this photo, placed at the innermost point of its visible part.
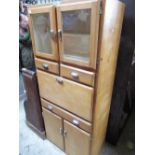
(78, 75)
(67, 116)
(74, 97)
(47, 65)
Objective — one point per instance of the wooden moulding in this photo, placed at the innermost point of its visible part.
(110, 32)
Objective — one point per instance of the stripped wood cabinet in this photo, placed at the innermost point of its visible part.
(77, 81)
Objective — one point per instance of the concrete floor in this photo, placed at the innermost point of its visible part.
(31, 144)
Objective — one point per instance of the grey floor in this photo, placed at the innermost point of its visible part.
(31, 144)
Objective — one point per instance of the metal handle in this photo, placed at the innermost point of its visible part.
(65, 133)
(59, 80)
(61, 131)
(60, 34)
(50, 107)
(74, 74)
(45, 66)
(76, 122)
(52, 34)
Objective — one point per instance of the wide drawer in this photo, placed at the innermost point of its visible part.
(45, 65)
(74, 97)
(67, 116)
(78, 75)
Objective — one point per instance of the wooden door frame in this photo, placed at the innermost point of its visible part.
(52, 15)
(94, 6)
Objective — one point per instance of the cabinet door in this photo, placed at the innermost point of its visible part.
(78, 33)
(42, 22)
(77, 141)
(54, 128)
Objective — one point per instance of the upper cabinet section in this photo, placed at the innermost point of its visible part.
(42, 22)
(78, 33)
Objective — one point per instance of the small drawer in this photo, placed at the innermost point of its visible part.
(47, 65)
(78, 75)
(67, 116)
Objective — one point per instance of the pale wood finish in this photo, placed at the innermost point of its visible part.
(51, 11)
(53, 124)
(74, 97)
(84, 76)
(66, 115)
(53, 67)
(111, 25)
(72, 100)
(94, 6)
(77, 142)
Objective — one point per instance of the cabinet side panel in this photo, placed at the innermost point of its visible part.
(111, 25)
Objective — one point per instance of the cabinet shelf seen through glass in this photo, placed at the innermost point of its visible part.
(76, 34)
(41, 29)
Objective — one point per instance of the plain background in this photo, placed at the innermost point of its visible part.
(145, 77)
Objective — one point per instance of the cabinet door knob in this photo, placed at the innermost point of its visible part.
(61, 131)
(60, 34)
(45, 66)
(65, 133)
(50, 107)
(52, 34)
(76, 122)
(74, 74)
(59, 80)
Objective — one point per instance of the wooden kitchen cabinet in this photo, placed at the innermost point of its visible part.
(76, 70)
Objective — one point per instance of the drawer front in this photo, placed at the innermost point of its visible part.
(47, 65)
(74, 97)
(67, 116)
(78, 75)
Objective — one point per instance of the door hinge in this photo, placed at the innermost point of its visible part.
(97, 61)
(100, 7)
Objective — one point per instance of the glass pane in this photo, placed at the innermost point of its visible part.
(76, 34)
(41, 30)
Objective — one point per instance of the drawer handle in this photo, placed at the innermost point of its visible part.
(50, 107)
(45, 66)
(74, 74)
(59, 80)
(76, 122)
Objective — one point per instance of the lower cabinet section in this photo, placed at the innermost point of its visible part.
(77, 141)
(53, 127)
(68, 137)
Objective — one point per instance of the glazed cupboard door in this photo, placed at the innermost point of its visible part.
(77, 141)
(54, 128)
(42, 23)
(78, 33)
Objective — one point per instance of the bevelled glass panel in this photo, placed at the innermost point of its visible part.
(41, 30)
(76, 34)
